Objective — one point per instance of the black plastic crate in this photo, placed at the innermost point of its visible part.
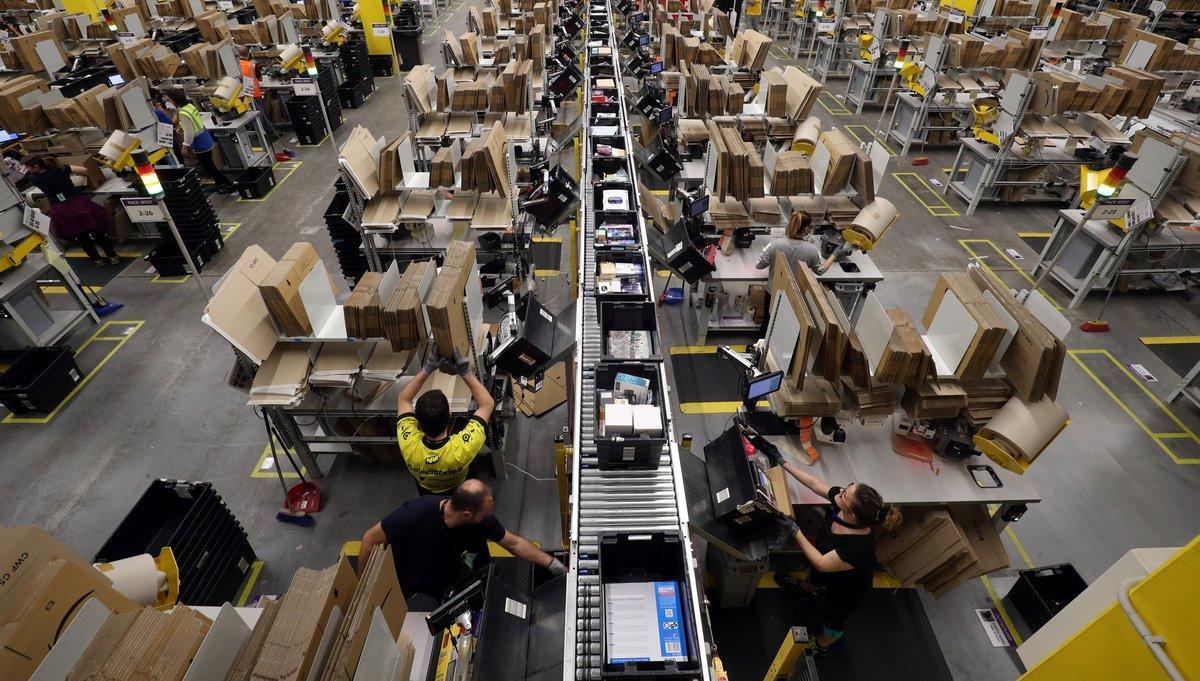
(209, 544)
(622, 288)
(629, 316)
(1041, 593)
(615, 451)
(255, 183)
(169, 262)
(655, 558)
(353, 95)
(39, 380)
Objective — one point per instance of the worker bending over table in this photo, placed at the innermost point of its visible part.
(438, 459)
(438, 541)
(73, 215)
(842, 556)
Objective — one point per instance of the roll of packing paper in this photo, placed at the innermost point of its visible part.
(808, 132)
(874, 220)
(137, 577)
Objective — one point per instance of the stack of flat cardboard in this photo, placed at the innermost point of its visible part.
(985, 397)
(740, 171)
(818, 397)
(802, 93)
(12, 113)
(362, 307)
(402, 318)
(378, 589)
(749, 50)
(793, 175)
(875, 399)
(441, 168)
(446, 305)
(283, 377)
(281, 289)
(157, 645)
(905, 359)
(1034, 359)
(776, 88)
(92, 660)
(941, 549)
(934, 400)
(989, 329)
(843, 155)
(826, 308)
(385, 363)
(338, 364)
(291, 644)
(212, 26)
(484, 165)
(243, 664)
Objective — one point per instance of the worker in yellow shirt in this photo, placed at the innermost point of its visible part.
(438, 459)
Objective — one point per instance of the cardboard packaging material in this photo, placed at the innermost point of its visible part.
(941, 549)
(402, 314)
(281, 289)
(243, 664)
(291, 645)
(1034, 359)
(378, 589)
(843, 155)
(446, 305)
(238, 311)
(989, 327)
(362, 307)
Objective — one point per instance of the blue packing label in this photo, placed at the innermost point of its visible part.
(670, 621)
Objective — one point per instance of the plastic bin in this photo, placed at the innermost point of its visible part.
(629, 316)
(622, 288)
(1041, 593)
(255, 183)
(408, 45)
(630, 451)
(39, 380)
(650, 557)
(168, 261)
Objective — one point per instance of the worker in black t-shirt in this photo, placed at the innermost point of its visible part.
(437, 541)
(843, 554)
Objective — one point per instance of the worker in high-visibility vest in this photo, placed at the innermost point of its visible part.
(196, 137)
(250, 74)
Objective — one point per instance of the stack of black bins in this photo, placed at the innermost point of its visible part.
(195, 219)
(209, 544)
(305, 112)
(347, 241)
(360, 78)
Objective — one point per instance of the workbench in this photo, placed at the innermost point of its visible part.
(977, 157)
(868, 84)
(243, 140)
(833, 58)
(26, 317)
(1090, 260)
(909, 126)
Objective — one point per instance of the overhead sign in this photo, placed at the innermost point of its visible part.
(826, 26)
(143, 210)
(225, 5)
(380, 30)
(305, 87)
(1111, 209)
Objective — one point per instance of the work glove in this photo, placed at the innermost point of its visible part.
(462, 365)
(556, 567)
(844, 250)
(787, 525)
(432, 360)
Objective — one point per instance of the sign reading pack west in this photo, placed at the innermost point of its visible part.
(143, 210)
(305, 87)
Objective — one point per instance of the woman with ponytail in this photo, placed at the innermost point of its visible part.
(842, 555)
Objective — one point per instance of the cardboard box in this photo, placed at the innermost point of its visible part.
(238, 311)
(25, 551)
(291, 645)
(281, 289)
(378, 590)
(445, 307)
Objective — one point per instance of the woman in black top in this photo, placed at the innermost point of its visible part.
(843, 554)
(73, 216)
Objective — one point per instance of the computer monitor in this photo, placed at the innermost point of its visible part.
(665, 114)
(644, 40)
(656, 67)
(116, 79)
(699, 206)
(764, 385)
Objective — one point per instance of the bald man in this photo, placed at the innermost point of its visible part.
(437, 541)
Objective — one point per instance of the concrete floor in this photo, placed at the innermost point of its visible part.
(160, 406)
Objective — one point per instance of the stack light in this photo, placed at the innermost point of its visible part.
(147, 174)
(310, 62)
(1054, 14)
(902, 54)
(108, 20)
(1116, 176)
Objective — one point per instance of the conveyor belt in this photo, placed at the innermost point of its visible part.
(612, 500)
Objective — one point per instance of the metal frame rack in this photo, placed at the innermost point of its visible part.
(633, 501)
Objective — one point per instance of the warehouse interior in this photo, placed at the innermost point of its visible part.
(155, 397)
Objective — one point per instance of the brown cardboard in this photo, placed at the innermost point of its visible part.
(917, 524)
(281, 289)
(445, 306)
(378, 589)
(238, 307)
(25, 551)
(304, 610)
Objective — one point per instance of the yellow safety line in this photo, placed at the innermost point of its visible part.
(693, 349)
(715, 407)
(546, 273)
(943, 210)
(547, 240)
(314, 146)
(122, 254)
(663, 274)
(244, 594)
(278, 183)
(660, 192)
(158, 279)
(870, 133)
(831, 112)
(352, 548)
(1034, 235)
(961, 169)
(1020, 549)
(1157, 437)
(991, 591)
(99, 335)
(258, 471)
(979, 259)
(58, 290)
(233, 227)
(1169, 340)
(841, 106)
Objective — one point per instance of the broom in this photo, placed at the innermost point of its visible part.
(1098, 325)
(287, 514)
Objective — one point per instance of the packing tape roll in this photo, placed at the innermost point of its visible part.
(137, 578)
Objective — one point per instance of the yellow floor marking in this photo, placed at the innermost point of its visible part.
(244, 594)
(843, 112)
(961, 169)
(965, 243)
(1169, 340)
(546, 273)
(716, 407)
(869, 133)
(663, 273)
(122, 254)
(1020, 549)
(131, 324)
(59, 290)
(352, 548)
(261, 472)
(228, 228)
(547, 240)
(288, 171)
(1034, 235)
(157, 279)
(1184, 431)
(314, 146)
(991, 592)
(694, 349)
(660, 192)
(941, 210)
